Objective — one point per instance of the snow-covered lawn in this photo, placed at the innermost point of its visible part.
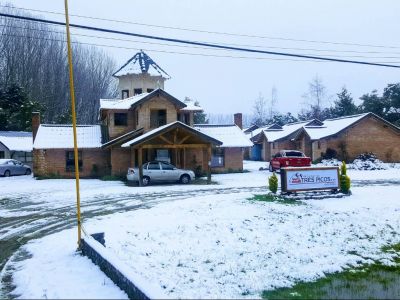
(218, 245)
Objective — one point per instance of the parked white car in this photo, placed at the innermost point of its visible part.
(10, 167)
(159, 171)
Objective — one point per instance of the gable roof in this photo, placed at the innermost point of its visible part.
(229, 135)
(165, 128)
(17, 140)
(123, 138)
(134, 101)
(51, 136)
(141, 63)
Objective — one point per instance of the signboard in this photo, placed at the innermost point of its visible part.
(306, 179)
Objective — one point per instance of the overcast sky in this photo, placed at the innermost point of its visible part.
(230, 85)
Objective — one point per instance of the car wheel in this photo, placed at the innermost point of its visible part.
(185, 179)
(271, 168)
(7, 173)
(28, 172)
(145, 180)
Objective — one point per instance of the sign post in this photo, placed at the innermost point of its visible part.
(309, 179)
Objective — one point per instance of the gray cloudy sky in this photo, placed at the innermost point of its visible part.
(229, 85)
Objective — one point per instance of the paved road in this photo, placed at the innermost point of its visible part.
(38, 219)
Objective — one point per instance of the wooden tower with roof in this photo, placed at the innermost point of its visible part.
(140, 74)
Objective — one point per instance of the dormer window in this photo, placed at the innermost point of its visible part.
(120, 119)
(137, 92)
(125, 94)
(158, 118)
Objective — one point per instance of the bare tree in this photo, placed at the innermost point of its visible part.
(315, 98)
(260, 111)
(33, 56)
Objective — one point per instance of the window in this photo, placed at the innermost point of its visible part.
(70, 161)
(120, 119)
(186, 119)
(137, 92)
(163, 155)
(166, 166)
(153, 166)
(2, 154)
(150, 90)
(125, 94)
(158, 118)
(218, 157)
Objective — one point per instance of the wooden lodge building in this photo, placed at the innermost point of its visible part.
(146, 123)
(347, 136)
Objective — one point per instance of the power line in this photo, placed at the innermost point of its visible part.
(210, 32)
(197, 47)
(217, 46)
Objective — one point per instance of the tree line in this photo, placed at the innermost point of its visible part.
(34, 75)
(386, 105)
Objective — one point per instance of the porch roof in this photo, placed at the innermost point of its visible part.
(166, 128)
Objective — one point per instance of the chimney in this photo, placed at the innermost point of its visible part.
(35, 123)
(238, 120)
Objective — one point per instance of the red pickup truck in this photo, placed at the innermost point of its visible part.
(289, 158)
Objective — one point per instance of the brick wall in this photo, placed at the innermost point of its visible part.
(53, 162)
(368, 135)
(120, 160)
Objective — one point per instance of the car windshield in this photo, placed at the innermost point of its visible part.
(294, 154)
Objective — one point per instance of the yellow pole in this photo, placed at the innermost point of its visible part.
(76, 158)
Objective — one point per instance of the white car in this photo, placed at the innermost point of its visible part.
(159, 171)
(10, 167)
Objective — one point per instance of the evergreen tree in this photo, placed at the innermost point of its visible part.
(199, 117)
(391, 96)
(344, 105)
(375, 104)
(16, 109)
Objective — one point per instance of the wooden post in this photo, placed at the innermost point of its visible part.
(184, 158)
(140, 165)
(209, 164)
(132, 157)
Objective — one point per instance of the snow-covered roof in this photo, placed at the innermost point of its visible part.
(17, 140)
(51, 136)
(276, 134)
(229, 135)
(314, 128)
(121, 103)
(127, 103)
(141, 63)
(332, 126)
(190, 105)
(156, 131)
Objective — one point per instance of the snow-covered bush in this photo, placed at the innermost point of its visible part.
(368, 161)
(333, 162)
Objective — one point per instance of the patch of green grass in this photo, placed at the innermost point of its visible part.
(391, 248)
(114, 178)
(369, 281)
(276, 199)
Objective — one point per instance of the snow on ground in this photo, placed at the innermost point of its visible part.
(57, 271)
(214, 246)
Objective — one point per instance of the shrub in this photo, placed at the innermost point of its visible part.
(344, 179)
(330, 153)
(273, 183)
(368, 161)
